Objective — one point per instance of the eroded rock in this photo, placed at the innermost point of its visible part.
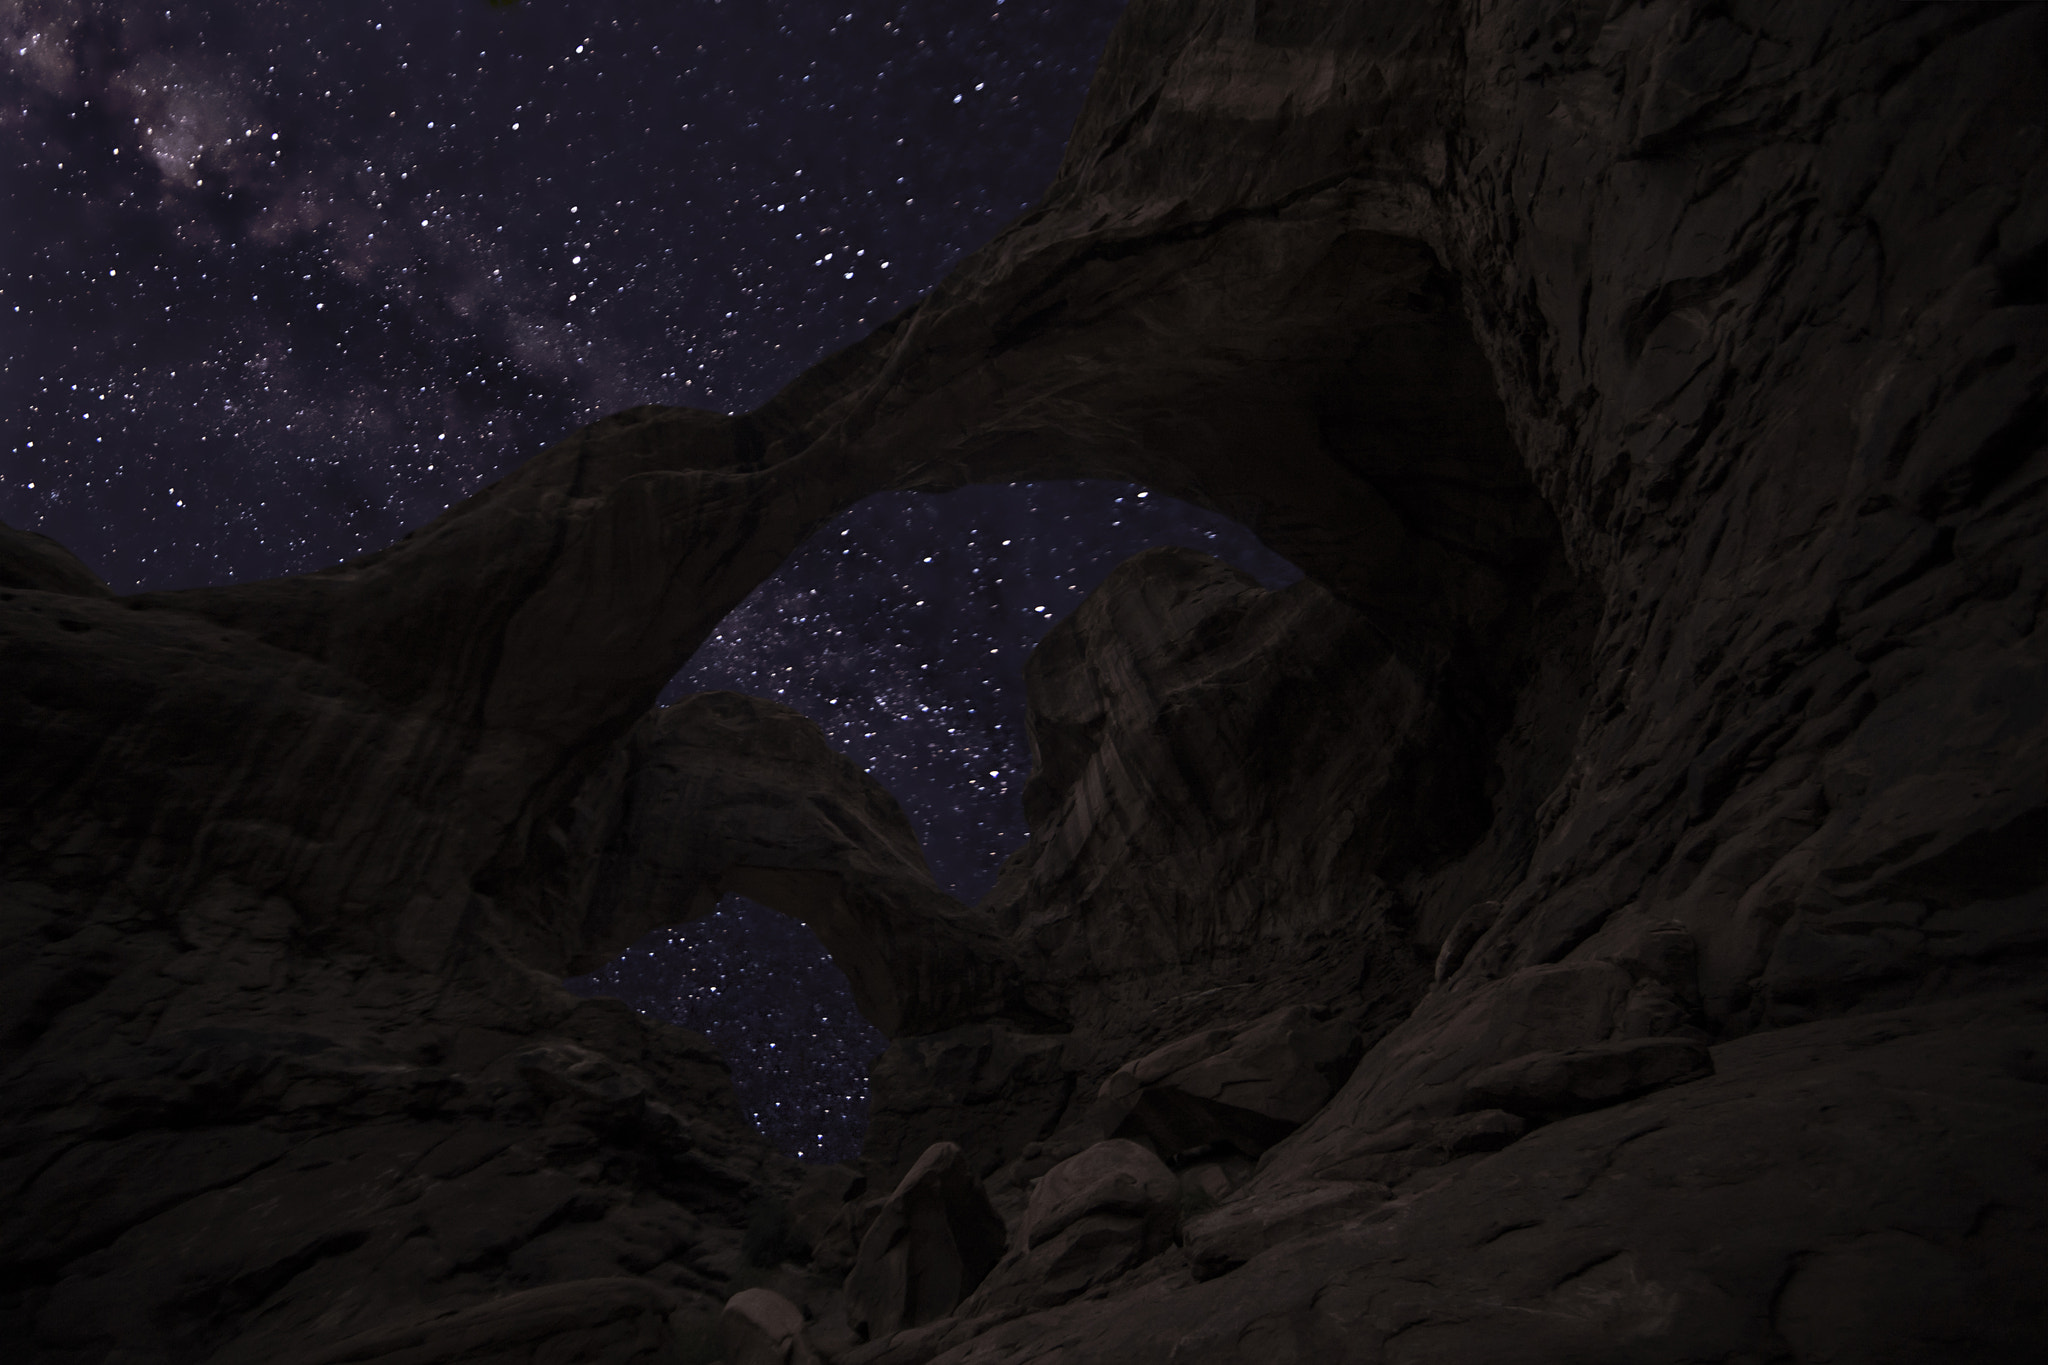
(1465, 931)
(1549, 1085)
(1110, 1177)
(931, 1244)
(820, 1214)
(1091, 1218)
(1227, 1090)
(720, 793)
(1401, 1150)
(34, 562)
(1222, 1240)
(1651, 398)
(760, 1327)
(1670, 1227)
(994, 1087)
(620, 1320)
(1172, 689)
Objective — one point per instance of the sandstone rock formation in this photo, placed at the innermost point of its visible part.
(30, 560)
(1221, 1091)
(760, 1327)
(1090, 1219)
(825, 1216)
(1651, 769)
(725, 793)
(931, 1244)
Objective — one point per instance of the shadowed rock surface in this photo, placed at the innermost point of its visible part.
(1091, 1218)
(725, 793)
(932, 1242)
(1222, 1092)
(1651, 770)
(31, 560)
(760, 1327)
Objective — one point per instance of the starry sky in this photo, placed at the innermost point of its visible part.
(280, 282)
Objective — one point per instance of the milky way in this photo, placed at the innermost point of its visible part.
(280, 282)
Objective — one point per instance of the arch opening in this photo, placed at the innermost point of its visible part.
(798, 1046)
(916, 614)
(900, 631)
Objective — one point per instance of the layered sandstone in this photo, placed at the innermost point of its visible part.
(1649, 771)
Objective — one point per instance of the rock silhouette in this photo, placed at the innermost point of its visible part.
(1650, 771)
(760, 1327)
(931, 1244)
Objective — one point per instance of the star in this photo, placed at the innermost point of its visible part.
(285, 282)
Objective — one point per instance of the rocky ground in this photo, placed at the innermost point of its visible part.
(1596, 915)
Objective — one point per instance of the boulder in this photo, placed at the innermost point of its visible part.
(1206, 1184)
(1091, 1218)
(760, 1327)
(933, 1242)
(1225, 1090)
(1116, 1176)
(1549, 1085)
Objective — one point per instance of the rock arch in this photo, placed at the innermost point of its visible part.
(1333, 399)
(721, 793)
(1755, 679)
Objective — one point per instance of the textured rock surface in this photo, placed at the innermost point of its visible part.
(760, 1327)
(995, 1088)
(1545, 1085)
(821, 1215)
(622, 1319)
(932, 1242)
(1090, 1219)
(1711, 1221)
(725, 793)
(30, 560)
(1222, 1240)
(1651, 394)
(1222, 1091)
(1111, 1177)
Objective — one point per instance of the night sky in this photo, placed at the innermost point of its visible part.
(280, 282)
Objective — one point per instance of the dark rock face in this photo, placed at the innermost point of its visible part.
(720, 793)
(1118, 1177)
(1228, 783)
(208, 1169)
(822, 1212)
(760, 1327)
(1662, 1229)
(996, 1088)
(30, 560)
(1651, 771)
(1544, 1085)
(931, 1245)
(1091, 1218)
(1220, 1091)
